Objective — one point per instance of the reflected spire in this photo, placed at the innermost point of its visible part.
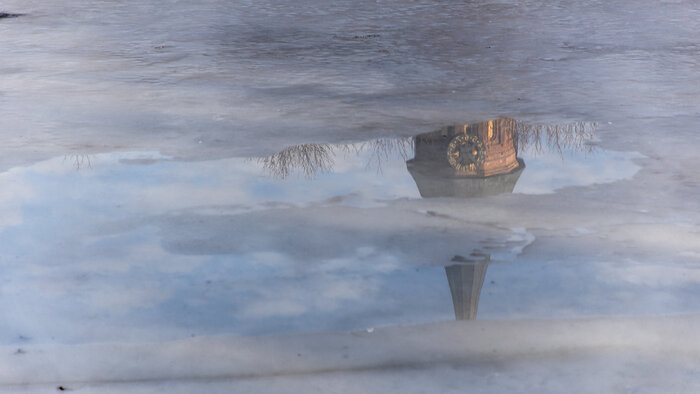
(466, 281)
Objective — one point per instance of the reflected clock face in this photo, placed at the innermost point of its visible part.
(466, 153)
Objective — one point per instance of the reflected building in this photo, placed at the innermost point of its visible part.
(463, 161)
(471, 160)
(459, 161)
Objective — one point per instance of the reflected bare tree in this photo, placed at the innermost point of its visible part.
(312, 159)
(382, 149)
(80, 161)
(308, 158)
(557, 137)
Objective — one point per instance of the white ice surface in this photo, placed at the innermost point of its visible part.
(583, 356)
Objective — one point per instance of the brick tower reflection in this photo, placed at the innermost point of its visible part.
(476, 160)
(464, 161)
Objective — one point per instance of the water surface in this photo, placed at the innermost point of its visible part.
(318, 237)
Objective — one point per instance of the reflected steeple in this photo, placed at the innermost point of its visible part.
(470, 160)
(466, 281)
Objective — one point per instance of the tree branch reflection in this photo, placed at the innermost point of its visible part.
(312, 159)
(539, 137)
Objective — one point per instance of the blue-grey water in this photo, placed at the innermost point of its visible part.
(146, 245)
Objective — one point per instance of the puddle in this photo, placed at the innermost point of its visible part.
(509, 157)
(138, 246)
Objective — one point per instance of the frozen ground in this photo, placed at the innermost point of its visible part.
(592, 355)
(222, 196)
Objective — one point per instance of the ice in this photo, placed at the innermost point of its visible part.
(644, 355)
(193, 193)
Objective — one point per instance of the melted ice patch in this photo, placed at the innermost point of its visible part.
(550, 171)
(230, 246)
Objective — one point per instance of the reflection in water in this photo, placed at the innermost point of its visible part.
(471, 160)
(165, 247)
(466, 281)
(467, 160)
(558, 137)
(480, 160)
(308, 158)
(80, 161)
(312, 159)
(459, 161)
(496, 143)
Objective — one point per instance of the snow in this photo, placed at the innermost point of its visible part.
(628, 354)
